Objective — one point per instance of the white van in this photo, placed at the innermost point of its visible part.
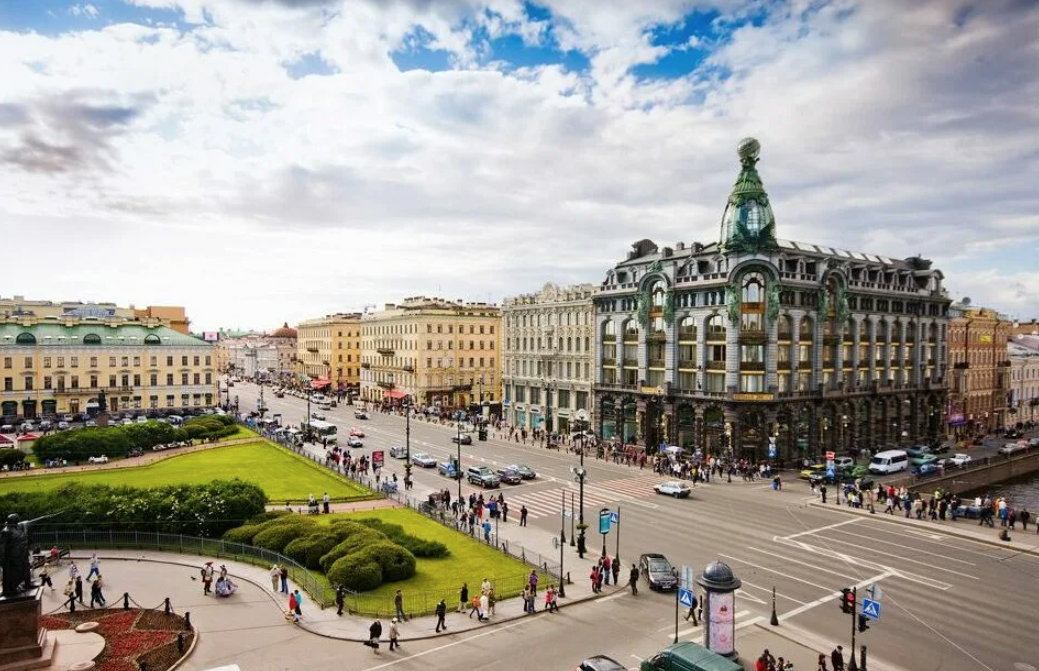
(889, 461)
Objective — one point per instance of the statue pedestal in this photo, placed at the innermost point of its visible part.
(23, 643)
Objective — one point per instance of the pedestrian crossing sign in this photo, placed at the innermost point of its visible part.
(615, 517)
(685, 597)
(871, 609)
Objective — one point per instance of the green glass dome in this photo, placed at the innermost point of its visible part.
(748, 224)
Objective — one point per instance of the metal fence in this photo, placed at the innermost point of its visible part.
(312, 583)
(417, 604)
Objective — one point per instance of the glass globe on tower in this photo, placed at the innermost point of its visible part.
(748, 224)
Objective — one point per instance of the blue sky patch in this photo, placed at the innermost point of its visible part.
(55, 17)
(309, 64)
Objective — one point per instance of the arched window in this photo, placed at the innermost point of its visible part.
(657, 327)
(716, 328)
(91, 339)
(753, 288)
(687, 329)
(864, 331)
(657, 294)
(805, 332)
(25, 339)
(609, 332)
(152, 339)
(631, 330)
(785, 327)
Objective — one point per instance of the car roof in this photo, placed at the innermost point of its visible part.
(652, 555)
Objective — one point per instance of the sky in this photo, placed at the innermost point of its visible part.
(264, 161)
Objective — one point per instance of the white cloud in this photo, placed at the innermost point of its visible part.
(208, 177)
(87, 10)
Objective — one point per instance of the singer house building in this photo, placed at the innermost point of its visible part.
(760, 347)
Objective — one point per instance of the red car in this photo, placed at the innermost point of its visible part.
(354, 431)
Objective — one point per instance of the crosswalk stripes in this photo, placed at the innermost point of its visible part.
(547, 502)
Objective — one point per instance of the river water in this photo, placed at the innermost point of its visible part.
(1020, 492)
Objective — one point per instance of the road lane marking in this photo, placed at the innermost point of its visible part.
(769, 590)
(818, 529)
(692, 630)
(797, 561)
(830, 597)
(771, 570)
(872, 540)
(907, 559)
(862, 563)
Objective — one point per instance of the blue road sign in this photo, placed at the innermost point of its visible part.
(615, 518)
(831, 472)
(685, 597)
(771, 451)
(871, 609)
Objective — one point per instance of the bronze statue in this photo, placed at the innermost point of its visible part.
(14, 557)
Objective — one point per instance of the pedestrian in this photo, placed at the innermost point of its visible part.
(70, 594)
(94, 569)
(340, 600)
(485, 586)
(533, 580)
(374, 634)
(284, 580)
(79, 588)
(398, 604)
(490, 603)
(837, 658)
(293, 606)
(594, 577)
(606, 568)
(822, 492)
(299, 602)
(1024, 516)
(45, 575)
(633, 579)
(394, 633)
(523, 515)
(275, 577)
(616, 572)
(504, 512)
(485, 605)
(95, 595)
(100, 583)
(73, 570)
(527, 599)
(441, 611)
(325, 500)
(822, 663)
(692, 611)
(463, 597)
(207, 577)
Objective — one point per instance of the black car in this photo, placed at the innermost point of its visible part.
(601, 663)
(509, 476)
(657, 571)
(1012, 434)
(464, 439)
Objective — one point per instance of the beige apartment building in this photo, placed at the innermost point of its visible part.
(173, 316)
(441, 353)
(69, 364)
(328, 350)
(979, 367)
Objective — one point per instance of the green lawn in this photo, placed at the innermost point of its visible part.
(470, 561)
(283, 475)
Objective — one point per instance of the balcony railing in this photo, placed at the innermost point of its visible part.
(385, 385)
(408, 369)
(786, 336)
(612, 363)
(366, 365)
(783, 365)
(827, 363)
(631, 363)
(688, 364)
(831, 339)
(656, 363)
(715, 365)
(312, 348)
(752, 365)
(385, 351)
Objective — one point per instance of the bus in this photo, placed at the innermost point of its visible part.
(323, 430)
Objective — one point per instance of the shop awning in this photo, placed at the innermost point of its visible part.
(394, 393)
(319, 383)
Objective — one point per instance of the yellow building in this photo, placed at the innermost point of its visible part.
(328, 350)
(57, 365)
(173, 316)
(439, 352)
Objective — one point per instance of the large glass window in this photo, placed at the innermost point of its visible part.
(631, 331)
(687, 330)
(716, 328)
(714, 382)
(609, 332)
(752, 383)
(752, 321)
(657, 293)
(656, 354)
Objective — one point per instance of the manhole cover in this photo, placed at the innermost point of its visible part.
(1021, 666)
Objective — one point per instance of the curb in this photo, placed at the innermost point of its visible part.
(922, 524)
(804, 638)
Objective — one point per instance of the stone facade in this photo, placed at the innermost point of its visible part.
(979, 370)
(728, 345)
(547, 350)
(328, 351)
(1024, 379)
(441, 353)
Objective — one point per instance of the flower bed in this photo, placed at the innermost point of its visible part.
(132, 637)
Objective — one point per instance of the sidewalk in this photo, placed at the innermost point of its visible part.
(1021, 541)
(795, 645)
(346, 627)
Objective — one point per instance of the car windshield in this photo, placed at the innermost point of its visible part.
(659, 565)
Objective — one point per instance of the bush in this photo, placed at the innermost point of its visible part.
(355, 575)
(396, 562)
(308, 550)
(417, 546)
(242, 534)
(355, 542)
(275, 538)
(268, 515)
(11, 456)
(200, 510)
(117, 441)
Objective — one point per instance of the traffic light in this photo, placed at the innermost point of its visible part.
(863, 623)
(847, 600)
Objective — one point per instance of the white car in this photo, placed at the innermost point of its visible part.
(126, 421)
(1012, 448)
(141, 419)
(674, 488)
(98, 460)
(960, 459)
(63, 425)
(398, 452)
(424, 460)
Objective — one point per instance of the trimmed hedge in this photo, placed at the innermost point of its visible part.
(308, 550)
(277, 534)
(243, 534)
(417, 546)
(11, 456)
(354, 575)
(396, 562)
(117, 441)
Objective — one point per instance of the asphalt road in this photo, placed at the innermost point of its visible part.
(947, 603)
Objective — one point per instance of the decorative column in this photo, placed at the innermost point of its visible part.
(856, 357)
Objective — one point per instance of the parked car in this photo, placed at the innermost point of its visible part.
(98, 460)
(841, 463)
(141, 419)
(509, 476)
(600, 663)
(279, 394)
(926, 468)
(63, 425)
(360, 414)
(354, 431)
(398, 452)
(90, 424)
(1012, 448)
(68, 418)
(464, 439)
(960, 459)
(354, 441)
(814, 469)
(525, 472)
(657, 571)
(674, 488)
(424, 460)
(26, 427)
(1011, 434)
(318, 416)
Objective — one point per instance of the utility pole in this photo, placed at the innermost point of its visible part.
(407, 442)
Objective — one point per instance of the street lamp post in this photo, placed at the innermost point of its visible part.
(458, 463)
(562, 542)
(581, 417)
(407, 441)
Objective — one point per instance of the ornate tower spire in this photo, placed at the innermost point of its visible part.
(748, 224)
